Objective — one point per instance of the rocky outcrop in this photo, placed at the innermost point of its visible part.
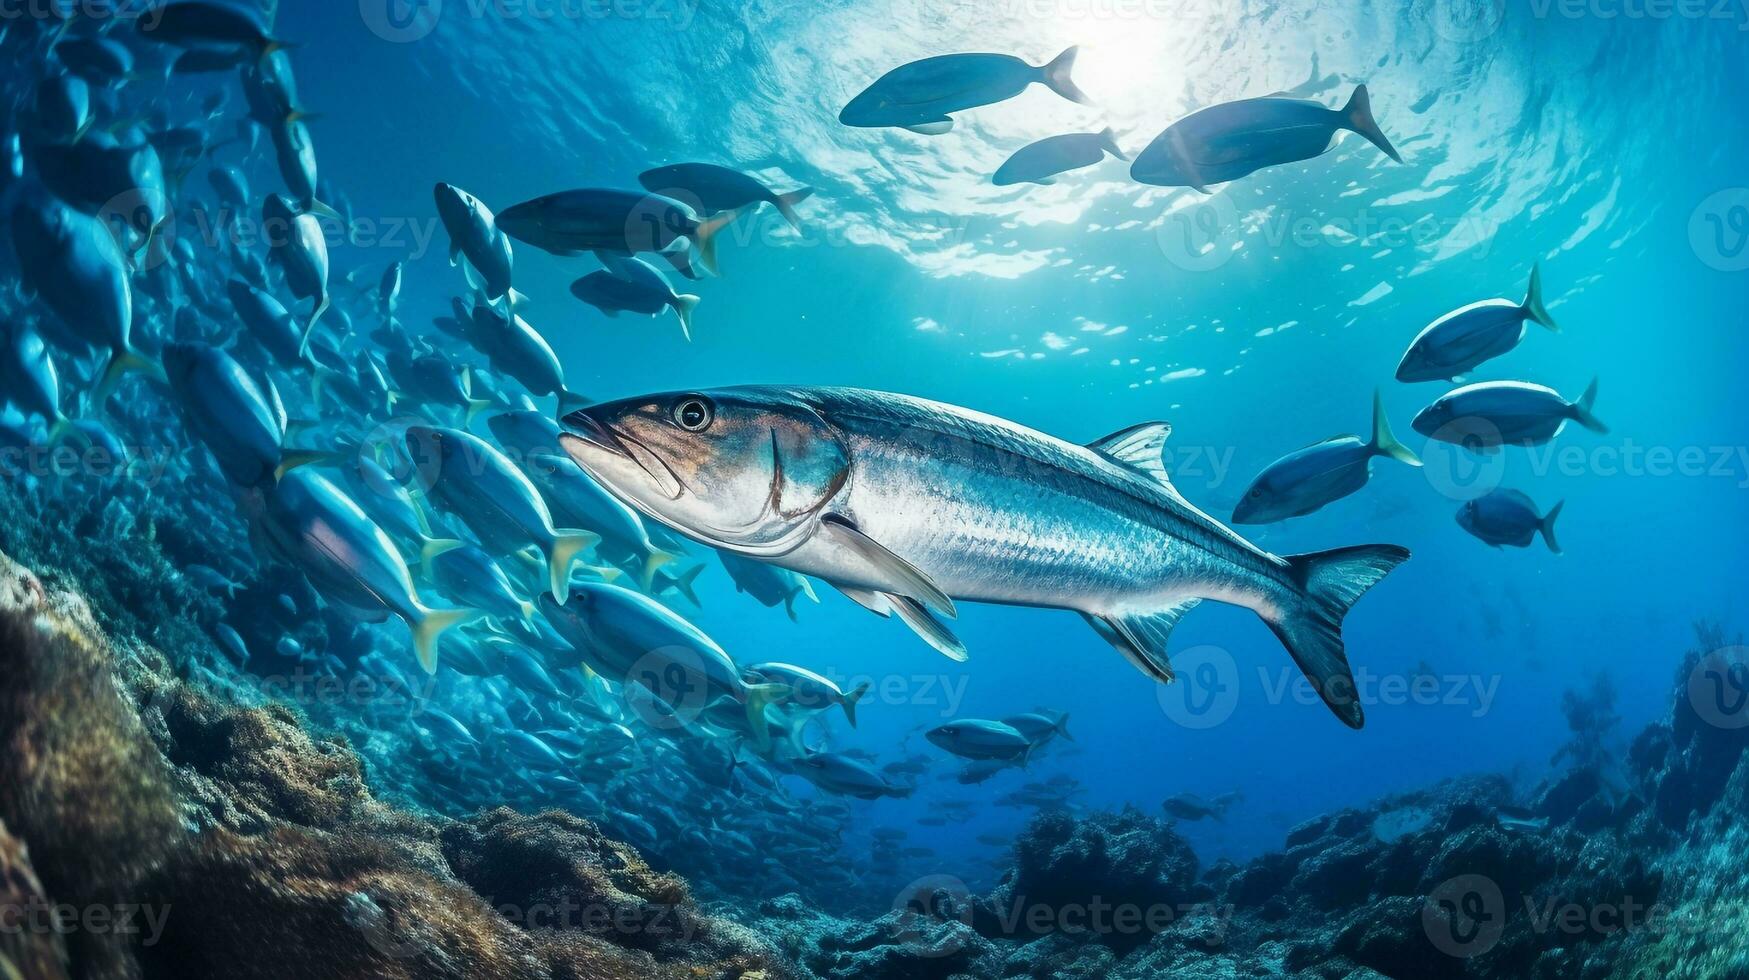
(1117, 877)
(81, 785)
(1588, 877)
(29, 945)
(195, 837)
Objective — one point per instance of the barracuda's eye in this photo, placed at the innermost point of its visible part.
(693, 414)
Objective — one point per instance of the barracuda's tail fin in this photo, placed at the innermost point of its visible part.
(1311, 629)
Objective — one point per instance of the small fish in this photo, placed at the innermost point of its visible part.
(808, 689)
(1490, 414)
(713, 189)
(209, 23)
(1463, 339)
(837, 773)
(270, 324)
(627, 636)
(1040, 162)
(311, 525)
(474, 238)
(210, 579)
(527, 672)
(981, 740)
(389, 292)
(62, 108)
(920, 95)
(1189, 806)
(444, 728)
(232, 188)
(633, 286)
(1304, 481)
(297, 244)
(103, 60)
(470, 577)
(770, 584)
(231, 644)
(575, 499)
(270, 88)
(1040, 728)
(28, 380)
(295, 152)
(494, 499)
(621, 222)
(1509, 517)
(516, 349)
(1520, 821)
(532, 750)
(70, 260)
(1232, 140)
(121, 183)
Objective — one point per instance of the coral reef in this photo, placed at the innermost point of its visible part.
(218, 839)
(24, 952)
(80, 783)
(1618, 868)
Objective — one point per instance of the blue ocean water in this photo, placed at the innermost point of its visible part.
(1603, 146)
(1595, 146)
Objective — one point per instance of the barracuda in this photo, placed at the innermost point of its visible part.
(906, 505)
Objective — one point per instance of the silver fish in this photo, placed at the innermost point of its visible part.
(906, 505)
(1305, 480)
(717, 189)
(981, 740)
(1503, 517)
(1041, 162)
(1229, 141)
(309, 523)
(1491, 414)
(72, 263)
(918, 96)
(1461, 340)
(474, 238)
(296, 242)
(30, 381)
(807, 689)
(489, 494)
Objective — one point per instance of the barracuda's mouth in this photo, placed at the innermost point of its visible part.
(589, 435)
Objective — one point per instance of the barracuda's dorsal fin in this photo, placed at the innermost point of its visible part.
(1140, 448)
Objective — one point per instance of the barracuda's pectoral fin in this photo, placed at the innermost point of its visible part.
(898, 576)
(1140, 448)
(874, 602)
(1142, 638)
(912, 614)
